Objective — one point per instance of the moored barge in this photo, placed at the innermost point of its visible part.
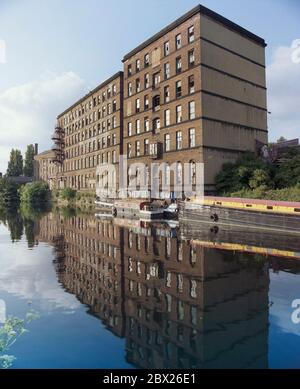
(243, 213)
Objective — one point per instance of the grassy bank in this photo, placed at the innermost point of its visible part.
(73, 199)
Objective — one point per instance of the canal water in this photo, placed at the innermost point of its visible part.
(79, 291)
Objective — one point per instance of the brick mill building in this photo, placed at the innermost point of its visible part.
(194, 92)
(92, 131)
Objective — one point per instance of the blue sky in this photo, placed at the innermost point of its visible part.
(57, 50)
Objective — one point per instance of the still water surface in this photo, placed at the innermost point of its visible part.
(84, 292)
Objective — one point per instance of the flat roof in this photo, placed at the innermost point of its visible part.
(204, 11)
(116, 75)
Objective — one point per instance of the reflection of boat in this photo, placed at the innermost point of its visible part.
(103, 204)
(171, 211)
(103, 215)
(235, 238)
(244, 213)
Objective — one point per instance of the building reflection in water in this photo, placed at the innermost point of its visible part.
(177, 304)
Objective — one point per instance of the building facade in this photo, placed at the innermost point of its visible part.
(45, 169)
(92, 129)
(195, 92)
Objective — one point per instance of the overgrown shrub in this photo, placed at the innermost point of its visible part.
(9, 195)
(247, 171)
(68, 194)
(35, 194)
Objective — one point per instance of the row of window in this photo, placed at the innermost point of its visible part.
(111, 91)
(166, 50)
(92, 162)
(156, 76)
(167, 119)
(156, 101)
(151, 148)
(110, 140)
(96, 115)
(108, 125)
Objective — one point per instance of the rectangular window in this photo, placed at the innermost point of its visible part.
(167, 94)
(191, 57)
(138, 126)
(146, 146)
(137, 148)
(156, 124)
(156, 79)
(178, 41)
(146, 102)
(137, 105)
(178, 140)
(192, 137)
(138, 65)
(129, 89)
(191, 34)
(147, 80)
(129, 129)
(146, 124)
(167, 117)
(178, 89)
(167, 142)
(167, 70)
(192, 110)
(191, 84)
(178, 65)
(137, 85)
(147, 60)
(178, 114)
(129, 150)
(166, 48)
(129, 70)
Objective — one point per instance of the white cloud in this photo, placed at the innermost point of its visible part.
(30, 275)
(28, 111)
(283, 82)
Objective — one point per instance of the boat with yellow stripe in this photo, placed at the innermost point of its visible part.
(280, 216)
(268, 206)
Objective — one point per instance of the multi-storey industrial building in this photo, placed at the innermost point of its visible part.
(92, 134)
(195, 92)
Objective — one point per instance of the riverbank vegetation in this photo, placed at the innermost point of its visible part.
(9, 193)
(250, 176)
(68, 197)
(35, 194)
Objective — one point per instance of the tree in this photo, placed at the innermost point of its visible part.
(260, 179)
(28, 162)
(9, 195)
(15, 164)
(281, 139)
(35, 194)
(237, 176)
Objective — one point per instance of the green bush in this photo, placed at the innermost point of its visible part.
(35, 194)
(246, 171)
(68, 194)
(9, 195)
